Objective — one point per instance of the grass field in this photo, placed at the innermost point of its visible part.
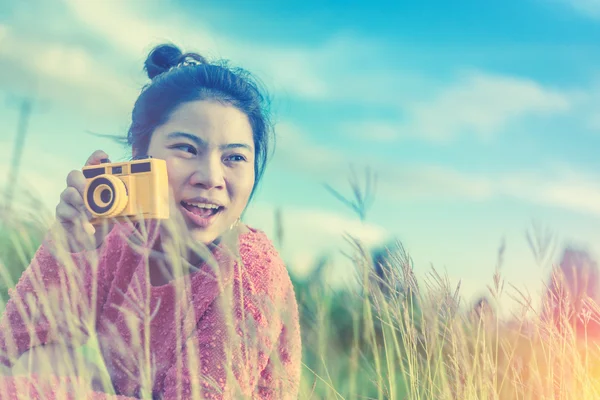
(396, 338)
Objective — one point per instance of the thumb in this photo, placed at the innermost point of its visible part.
(89, 228)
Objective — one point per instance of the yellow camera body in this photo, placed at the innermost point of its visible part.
(133, 190)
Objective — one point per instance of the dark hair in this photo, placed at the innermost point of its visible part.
(177, 78)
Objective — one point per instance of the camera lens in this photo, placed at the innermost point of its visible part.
(106, 196)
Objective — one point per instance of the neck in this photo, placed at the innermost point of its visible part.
(161, 269)
(192, 253)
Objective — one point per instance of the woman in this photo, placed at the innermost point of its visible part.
(199, 306)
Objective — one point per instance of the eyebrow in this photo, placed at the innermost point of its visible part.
(202, 143)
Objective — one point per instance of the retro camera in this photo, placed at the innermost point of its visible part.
(132, 190)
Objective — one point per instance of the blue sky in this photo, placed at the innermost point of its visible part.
(477, 117)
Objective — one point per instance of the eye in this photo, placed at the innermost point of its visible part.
(235, 158)
(185, 147)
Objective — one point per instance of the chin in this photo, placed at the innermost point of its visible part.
(205, 237)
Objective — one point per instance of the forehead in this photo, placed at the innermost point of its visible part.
(210, 120)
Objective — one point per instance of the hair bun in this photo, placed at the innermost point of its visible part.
(161, 58)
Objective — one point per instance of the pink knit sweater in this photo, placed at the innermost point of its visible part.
(176, 340)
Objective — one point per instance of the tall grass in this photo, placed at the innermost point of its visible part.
(392, 337)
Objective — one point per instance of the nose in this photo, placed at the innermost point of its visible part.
(208, 173)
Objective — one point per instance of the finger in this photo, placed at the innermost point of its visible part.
(72, 197)
(72, 220)
(77, 180)
(88, 227)
(82, 225)
(96, 158)
(67, 214)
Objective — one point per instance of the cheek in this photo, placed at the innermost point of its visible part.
(244, 182)
(177, 175)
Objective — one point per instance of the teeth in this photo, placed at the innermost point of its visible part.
(202, 205)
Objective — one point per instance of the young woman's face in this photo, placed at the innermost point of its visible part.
(209, 150)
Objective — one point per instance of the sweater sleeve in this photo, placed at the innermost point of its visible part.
(259, 358)
(54, 299)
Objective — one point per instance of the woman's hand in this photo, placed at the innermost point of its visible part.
(72, 214)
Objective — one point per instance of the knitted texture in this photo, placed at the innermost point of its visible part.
(227, 330)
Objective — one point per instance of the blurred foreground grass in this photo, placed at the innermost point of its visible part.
(392, 339)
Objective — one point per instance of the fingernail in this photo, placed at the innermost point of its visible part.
(90, 229)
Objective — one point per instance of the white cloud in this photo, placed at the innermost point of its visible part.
(477, 104)
(587, 105)
(69, 73)
(101, 71)
(310, 233)
(3, 32)
(331, 224)
(589, 8)
(295, 150)
(134, 33)
(570, 190)
(410, 182)
(372, 130)
(560, 187)
(131, 31)
(594, 121)
(326, 71)
(42, 175)
(481, 104)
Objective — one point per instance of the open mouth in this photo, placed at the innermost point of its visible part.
(201, 214)
(202, 210)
